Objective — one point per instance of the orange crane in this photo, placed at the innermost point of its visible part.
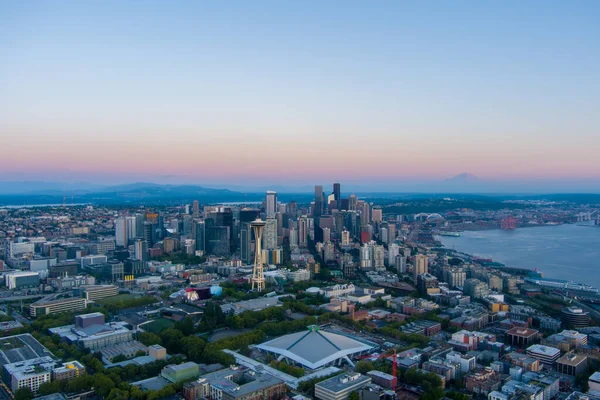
(386, 356)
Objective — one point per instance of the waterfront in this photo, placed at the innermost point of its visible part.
(569, 252)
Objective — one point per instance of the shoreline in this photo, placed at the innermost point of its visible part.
(523, 271)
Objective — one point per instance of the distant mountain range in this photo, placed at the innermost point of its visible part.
(139, 192)
(38, 192)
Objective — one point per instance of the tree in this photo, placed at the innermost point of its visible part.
(149, 338)
(354, 396)
(194, 346)
(23, 394)
(186, 326)
(171, 338)
(103, 385)
(364, 366)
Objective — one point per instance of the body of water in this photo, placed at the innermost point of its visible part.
(569, 252)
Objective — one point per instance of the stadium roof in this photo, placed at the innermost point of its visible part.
(314, 348)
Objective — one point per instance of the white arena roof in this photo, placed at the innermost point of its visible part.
(314, 348)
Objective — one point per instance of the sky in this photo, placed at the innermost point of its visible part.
(375, 94)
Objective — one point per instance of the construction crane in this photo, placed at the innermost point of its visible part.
(386, 357)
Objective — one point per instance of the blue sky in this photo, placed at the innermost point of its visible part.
(340, 90)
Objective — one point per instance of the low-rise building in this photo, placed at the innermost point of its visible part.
(485, 381)
(422, 327)
(594, 381)
(521, 337)
(98, 292)
(524, 361)
(339, 387)
(546, 354)
(571, 364)
(382, 379)
(235, 383)
(68, 371)
(22, 279)
(57, 306)
(30, 373)
(566, 340)
(181, 372)
(467, 363)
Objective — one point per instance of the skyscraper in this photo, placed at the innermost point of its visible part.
(337, 194)
(124, 230)
(270, 234)
(141, 250)
(326, 235)
(393, 252)
(196, 209)
(352, 200)
(246, 242)
(318, 210)
(200, 235)
(421, 265)
(271, 204)
(303, 231)
(293, 237)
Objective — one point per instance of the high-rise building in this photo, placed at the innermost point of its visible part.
(400, 264)
(125, 230)
(383, 235)
(139, 224)
(293, 209)
(337, 194)
(318, 209)
(187, 221)
(377, 215)
(345, 238)
(326, 235)
(393, 252)
(200, 235)
(378, 256)
(271, 204)
(196, 209)
(270, 234)
(249, 214)
(246, 242)
(216, 221)
(141, 250)
(391, 233)
(454, 276)
(352, 202)
(293, 237)
(365, 216)
(303, 231)
(421, 265)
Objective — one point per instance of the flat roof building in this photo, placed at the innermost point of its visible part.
(571, 364)
(98, 292)
(339, 387)
(546, 354)
(68, 371)
(57, 306)
(575, 317)
(235, 383)
(30, 373)
(521, 337)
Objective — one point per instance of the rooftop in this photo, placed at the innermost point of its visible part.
(239, 381)
(543, 350)
(341, 382)
(572, 359)
(524, 332)
(314, 348)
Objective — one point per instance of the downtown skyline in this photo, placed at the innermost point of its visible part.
(386, 96)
